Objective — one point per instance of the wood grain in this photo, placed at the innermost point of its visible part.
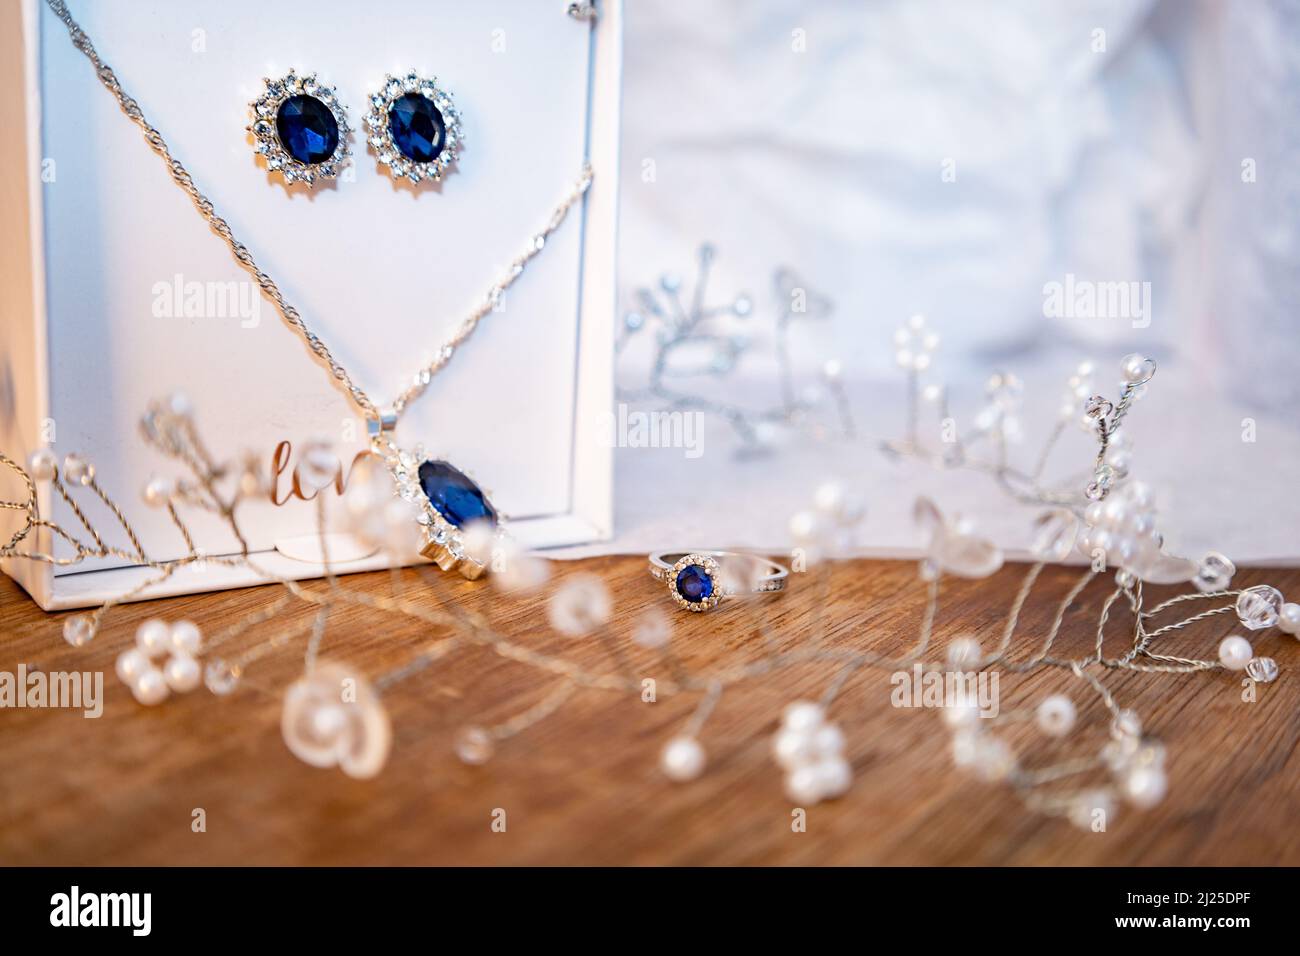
(583, 787)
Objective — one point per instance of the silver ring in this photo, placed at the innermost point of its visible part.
(699, 580)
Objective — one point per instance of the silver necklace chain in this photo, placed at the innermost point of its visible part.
(181, 176)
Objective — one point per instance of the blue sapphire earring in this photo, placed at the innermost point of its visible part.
(414, 128)
(301, 129)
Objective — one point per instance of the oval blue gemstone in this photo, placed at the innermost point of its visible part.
(694, 583)
(454, 496)
(418, 129)
(307, 129)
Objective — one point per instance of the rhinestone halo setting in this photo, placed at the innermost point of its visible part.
(300, 129)
(694, 583)
(449, 503)
(414, 128)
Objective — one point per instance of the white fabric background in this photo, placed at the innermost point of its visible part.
(1117, 165)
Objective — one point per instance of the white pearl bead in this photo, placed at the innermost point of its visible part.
(1133, 368)
(154, 637)
(803, 715)
(828, 498)
(1235, 652)
(1288, 619)
(1145, 786)
(150, 687)
(131, 663)
(682, 759)
(828, 740)
(42, 464)
(157, 492)
(182, 673)
(186, 637)
(1056, 715)
(793, 748)
(962, 714)
(835, 776)
(804, 785)
(804, 526)
(179, 404)
(994, 759)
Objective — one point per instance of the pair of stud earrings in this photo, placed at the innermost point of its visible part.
(301, 129)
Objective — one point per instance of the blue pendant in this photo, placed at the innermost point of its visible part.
(454, 496)
(307, 129)
(418, 129)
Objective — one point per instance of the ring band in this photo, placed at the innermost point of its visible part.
(698, 580)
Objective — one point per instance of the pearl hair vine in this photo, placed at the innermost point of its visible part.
(695, 341)
(334, 715)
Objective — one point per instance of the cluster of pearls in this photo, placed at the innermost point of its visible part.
(179, 643)
(1136, 763)
(975, 749)
(1004, 394)
(915, 344)
(333, 717)
(810, 750)
(1123, 530)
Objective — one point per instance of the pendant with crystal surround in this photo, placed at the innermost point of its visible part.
(451, 505)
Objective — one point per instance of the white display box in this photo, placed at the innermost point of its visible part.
(103, 253)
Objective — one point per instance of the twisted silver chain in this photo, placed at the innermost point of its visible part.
(181, 176)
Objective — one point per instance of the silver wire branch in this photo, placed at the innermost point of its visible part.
(683, 328)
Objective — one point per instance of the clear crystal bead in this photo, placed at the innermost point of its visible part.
(1262, 670)
(1258, 607)
(1097, 407)
(1214, 573)
(221, 677)
(78, 630)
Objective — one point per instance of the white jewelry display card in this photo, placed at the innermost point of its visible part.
(117, 292)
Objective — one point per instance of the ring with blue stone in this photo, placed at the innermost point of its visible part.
(300, 129)
(414, 128)
(699, 580)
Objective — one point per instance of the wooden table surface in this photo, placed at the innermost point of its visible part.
(583, 785)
